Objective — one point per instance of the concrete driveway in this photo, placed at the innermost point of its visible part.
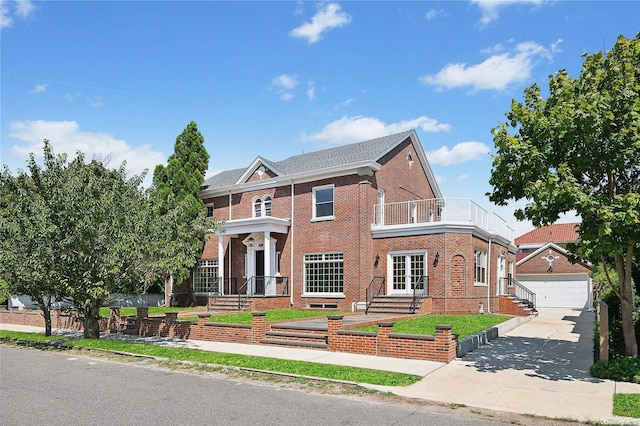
(540, 367)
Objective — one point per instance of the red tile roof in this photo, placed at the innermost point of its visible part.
(555, 233)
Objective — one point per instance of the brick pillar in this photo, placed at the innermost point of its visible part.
(142, 313)
(259, 329)
(114, 320)
(170, 318)
(334, 324)
(203, 319)
(384, 330)
(446, 343)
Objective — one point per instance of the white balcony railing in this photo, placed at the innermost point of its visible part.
(441, 210)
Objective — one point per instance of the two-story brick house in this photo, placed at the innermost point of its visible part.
(336, 227)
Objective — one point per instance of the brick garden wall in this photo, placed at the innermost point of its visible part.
(34, 318)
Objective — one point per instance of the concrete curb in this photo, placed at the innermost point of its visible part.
(473, 342)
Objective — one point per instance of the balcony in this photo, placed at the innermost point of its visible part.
(437, 214)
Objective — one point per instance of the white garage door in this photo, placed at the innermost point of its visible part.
(559, 291)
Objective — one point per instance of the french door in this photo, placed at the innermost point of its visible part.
(406, 272)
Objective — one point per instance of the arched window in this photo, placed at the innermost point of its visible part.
(262, 206)
(257, 207)
(267, 205)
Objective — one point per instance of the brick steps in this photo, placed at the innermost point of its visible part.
(229, 303)
(399, 305)
(313, 338)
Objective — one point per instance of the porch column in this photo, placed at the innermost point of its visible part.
(268, 273)
(221, 264)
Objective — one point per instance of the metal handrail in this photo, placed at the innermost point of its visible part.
(515, 288)
(374, 289)
(240, 295)
(420, 289)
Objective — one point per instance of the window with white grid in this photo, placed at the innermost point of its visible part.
(205, 277)
(479, 267)
(324, 273)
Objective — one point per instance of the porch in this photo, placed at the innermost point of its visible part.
(437, 213)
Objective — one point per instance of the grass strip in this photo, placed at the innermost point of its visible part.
(626, 404)
(337, 372)
(462, 325)
(271, 316)
(33, 337)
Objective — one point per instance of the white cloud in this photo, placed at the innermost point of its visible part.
(462, 177)
(433, 13)
(359, 128)
(10, 9)
(495, 73)
(66, 137)
(440, 179)
(461, 153)
(328, 17)
(95, 102)
(39, 88)
(285, 81)
(491, 8)
(284, 84)
(555, 46)
(344, 103)
(311, 90)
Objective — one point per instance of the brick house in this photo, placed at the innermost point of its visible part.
(340, 227)
(543, 266)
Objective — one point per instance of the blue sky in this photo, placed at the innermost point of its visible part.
(124, 78)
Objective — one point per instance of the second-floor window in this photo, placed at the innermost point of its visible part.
(209, 209)
(262, 206)
(323, 202)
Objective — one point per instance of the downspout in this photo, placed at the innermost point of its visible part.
(292, 252)
(230, 245)
(489, 278)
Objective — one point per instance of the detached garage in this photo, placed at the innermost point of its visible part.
(559, 291)
(543, 266)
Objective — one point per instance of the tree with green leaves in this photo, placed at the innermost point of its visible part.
(179, 182)
(29, 233)
(579, 150)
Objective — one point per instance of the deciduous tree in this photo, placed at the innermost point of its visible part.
(579, 150)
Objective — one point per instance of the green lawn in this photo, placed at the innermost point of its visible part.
(34, 337)
(272, 316)
(626, 404)
(354, 374)
(462, 325)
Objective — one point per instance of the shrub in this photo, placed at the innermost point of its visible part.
(622, 369)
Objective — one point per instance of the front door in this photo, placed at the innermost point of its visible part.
(259, 275)
(502, 274)
(408, 271)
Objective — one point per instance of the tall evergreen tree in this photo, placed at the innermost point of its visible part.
(178, 183)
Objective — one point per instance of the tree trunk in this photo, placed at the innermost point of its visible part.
(623, 267)
(46, 313)
(91, 322)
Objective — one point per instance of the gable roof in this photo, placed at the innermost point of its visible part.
(340, 157)
(527, 256)
(555, 233)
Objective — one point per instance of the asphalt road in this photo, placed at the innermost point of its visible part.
(54, 388)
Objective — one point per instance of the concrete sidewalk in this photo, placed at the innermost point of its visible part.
(539, 368)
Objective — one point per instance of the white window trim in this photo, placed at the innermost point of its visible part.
(405, 253)
(261, 200)
(478, 283)
(315, 218)
(209, 264)
(206, 209)
(306, 293)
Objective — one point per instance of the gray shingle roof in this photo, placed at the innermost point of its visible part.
(370, 150)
